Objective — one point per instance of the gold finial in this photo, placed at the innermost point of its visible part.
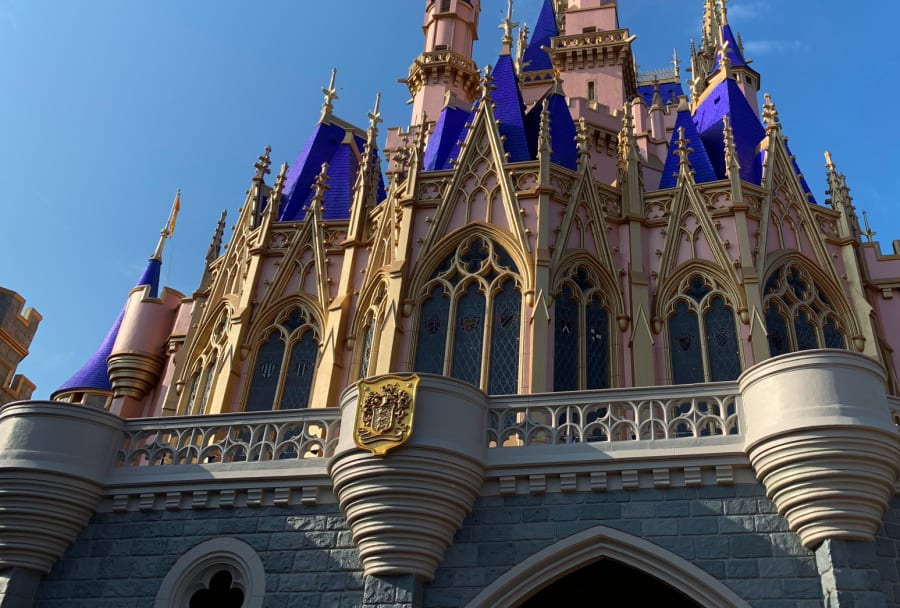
(724, 12)
(829, 163)
(770, 113)
(520, 48)
(581, 139)
(375, 114)
(330, 95)
(544, 143)
(320, 187)
(683, 151)
(215, 246)
(169, 228)
(868, 233)
(487, 83)
(262, 165)
(275, 198)
(508, 26)
(732, 164)
(676, 64)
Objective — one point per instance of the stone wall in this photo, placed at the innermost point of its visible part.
(733, 533)
(120, 559)
(887, 550)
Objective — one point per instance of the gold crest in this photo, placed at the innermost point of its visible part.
(384, 413)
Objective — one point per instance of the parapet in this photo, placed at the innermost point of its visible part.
(17, 329)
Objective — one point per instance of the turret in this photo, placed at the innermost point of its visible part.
(451, 28)
(91, 385)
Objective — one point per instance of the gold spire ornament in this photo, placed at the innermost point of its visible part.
(330, 95)
(508, 26)
(385, 409)
(169, 228)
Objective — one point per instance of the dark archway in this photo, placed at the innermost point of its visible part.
(608, 582)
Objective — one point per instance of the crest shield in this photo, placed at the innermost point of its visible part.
(384, 412)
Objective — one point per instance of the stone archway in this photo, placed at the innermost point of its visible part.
(594, 546)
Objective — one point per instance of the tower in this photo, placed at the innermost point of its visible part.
(446, 65)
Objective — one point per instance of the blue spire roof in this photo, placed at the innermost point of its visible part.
(509, 109)
(728, 99)
(734, 50)
(703, 168)
(536, 58)
(443, 146)
(329, 143)
(93, 374)
(562, 131)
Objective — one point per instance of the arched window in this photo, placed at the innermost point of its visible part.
(476, 290)
(581, 351)
(369, 344)
(703, 345)
(798, 315)
(284, 364)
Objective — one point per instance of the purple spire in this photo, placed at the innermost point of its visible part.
(443, 146)
(536, 58)
(700, 163)
(562, 130)
(509, 109)
(341, 148)
(93, 374)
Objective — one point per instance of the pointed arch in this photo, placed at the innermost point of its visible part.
(585, 304)
(803, 308)
(701, 306)
(579, 550)
(367, 322)
(476, 288)
(205, 359)
(285, 354)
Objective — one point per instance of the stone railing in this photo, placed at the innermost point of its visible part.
(614, 416)
(589, 39)
(230, 438)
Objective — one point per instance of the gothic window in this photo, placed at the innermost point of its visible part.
(476, 291)
(798, 314)
(703, 344)
(284, 364)
(208, 384)
(581, 352)
(372, 316)
(366, 358)
(219, 594)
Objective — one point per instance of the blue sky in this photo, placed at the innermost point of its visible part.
(108, 106)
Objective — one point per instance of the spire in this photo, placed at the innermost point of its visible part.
(732, 163)
(215, 246)
(274, 205)
(581, 139)
(330, 95)
(683, 150)
(169, 228)
(770, 116)
(545, 145)
(535, 57)
(841, 201)
(676, 65)
(508, 26)
(317, 205)
(521, 45)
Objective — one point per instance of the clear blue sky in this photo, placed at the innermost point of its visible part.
(108, 106)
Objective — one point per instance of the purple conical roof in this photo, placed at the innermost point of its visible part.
(93, 374)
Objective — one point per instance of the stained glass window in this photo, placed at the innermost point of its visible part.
(684, 344)
(192, 394)
(282, 381)
(833, 337)
(721, 342)
(792, 294)
(565, 347)
(597, 346)
(433, 332)
(266, 374)
(581, 336)
(475, 287)
(469, 336)
(504, 372)
(703, 339)
(776, 327)
(207, 387)
(299, 373)
(367, 349)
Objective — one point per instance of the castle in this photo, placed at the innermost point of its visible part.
(576, 335)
